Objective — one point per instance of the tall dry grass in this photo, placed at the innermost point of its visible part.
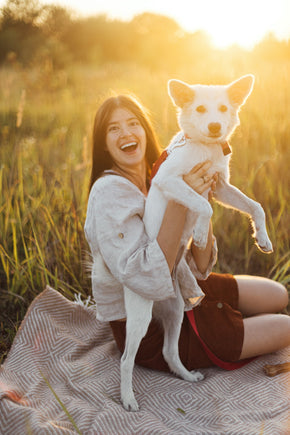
(45, 125)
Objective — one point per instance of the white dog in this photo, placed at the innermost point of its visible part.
(207, 117)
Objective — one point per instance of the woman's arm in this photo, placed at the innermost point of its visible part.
(172, 226)
(171, 230)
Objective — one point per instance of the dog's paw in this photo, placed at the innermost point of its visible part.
(193, 376)
(264, 243)
(199, 239)
(130, 404)
(196, 376)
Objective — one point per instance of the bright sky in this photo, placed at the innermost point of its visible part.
(244, 22)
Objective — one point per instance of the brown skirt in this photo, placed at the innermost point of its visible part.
(219, 323)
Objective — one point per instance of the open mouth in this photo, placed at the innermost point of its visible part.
(129, 147)
(214, 135)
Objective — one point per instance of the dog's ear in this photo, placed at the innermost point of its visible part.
(180, 92)
(239, 90)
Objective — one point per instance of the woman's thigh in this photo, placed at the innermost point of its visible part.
(259, 295)
(265, 334)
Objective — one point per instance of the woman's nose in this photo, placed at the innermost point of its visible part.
(125, 131)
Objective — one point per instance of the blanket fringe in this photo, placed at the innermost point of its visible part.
(78, 300)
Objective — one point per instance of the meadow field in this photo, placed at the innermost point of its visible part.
(46, 118)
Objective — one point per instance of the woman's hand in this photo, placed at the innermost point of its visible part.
(199, 180)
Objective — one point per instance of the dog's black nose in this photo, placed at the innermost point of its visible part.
(214, 127)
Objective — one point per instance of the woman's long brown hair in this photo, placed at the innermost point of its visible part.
(101, 159)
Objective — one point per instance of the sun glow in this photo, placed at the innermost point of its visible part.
(231, 34)
(239, 22)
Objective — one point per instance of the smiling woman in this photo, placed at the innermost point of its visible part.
(126, 140)
(122, 137)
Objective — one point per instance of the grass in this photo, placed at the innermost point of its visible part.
(45, 123)
(65, 410)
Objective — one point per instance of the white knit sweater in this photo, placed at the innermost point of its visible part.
(123, 255)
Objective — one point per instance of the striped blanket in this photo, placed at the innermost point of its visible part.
(62, 377)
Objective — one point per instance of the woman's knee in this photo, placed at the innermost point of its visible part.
(281, 294)
(260, 295)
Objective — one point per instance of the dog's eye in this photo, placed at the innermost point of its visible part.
(223, 108)
(201, 109)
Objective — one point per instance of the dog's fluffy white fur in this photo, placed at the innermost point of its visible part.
(207, 117)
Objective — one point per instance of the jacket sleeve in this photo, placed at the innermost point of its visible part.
(114, 224)
(193, 267)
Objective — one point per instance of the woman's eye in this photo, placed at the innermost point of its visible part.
(223, 108)
(201, 109)
(134, 123)
(113, 128)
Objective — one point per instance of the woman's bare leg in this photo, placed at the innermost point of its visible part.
(259, 295)
(264, 332)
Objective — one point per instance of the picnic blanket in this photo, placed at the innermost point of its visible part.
(62, 377)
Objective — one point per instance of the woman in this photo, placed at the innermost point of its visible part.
(235, 319)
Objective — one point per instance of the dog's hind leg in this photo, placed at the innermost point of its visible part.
(172, 325)
(139, 314)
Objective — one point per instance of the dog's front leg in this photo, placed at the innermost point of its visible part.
(139, 314)
(232, 197)
(175, 188)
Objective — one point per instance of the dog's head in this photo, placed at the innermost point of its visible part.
(209, 114)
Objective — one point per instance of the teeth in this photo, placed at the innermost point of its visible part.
(127, 145)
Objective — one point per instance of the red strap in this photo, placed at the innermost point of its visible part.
(158, 163)
(218, 362)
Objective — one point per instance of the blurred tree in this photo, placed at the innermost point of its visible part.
(158, 38)
(36, 33)
(81, 38)
(25, 11)
(20, 31)
(56, 21)
(99, 39)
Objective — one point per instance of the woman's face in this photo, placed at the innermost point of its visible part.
(126, 139)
